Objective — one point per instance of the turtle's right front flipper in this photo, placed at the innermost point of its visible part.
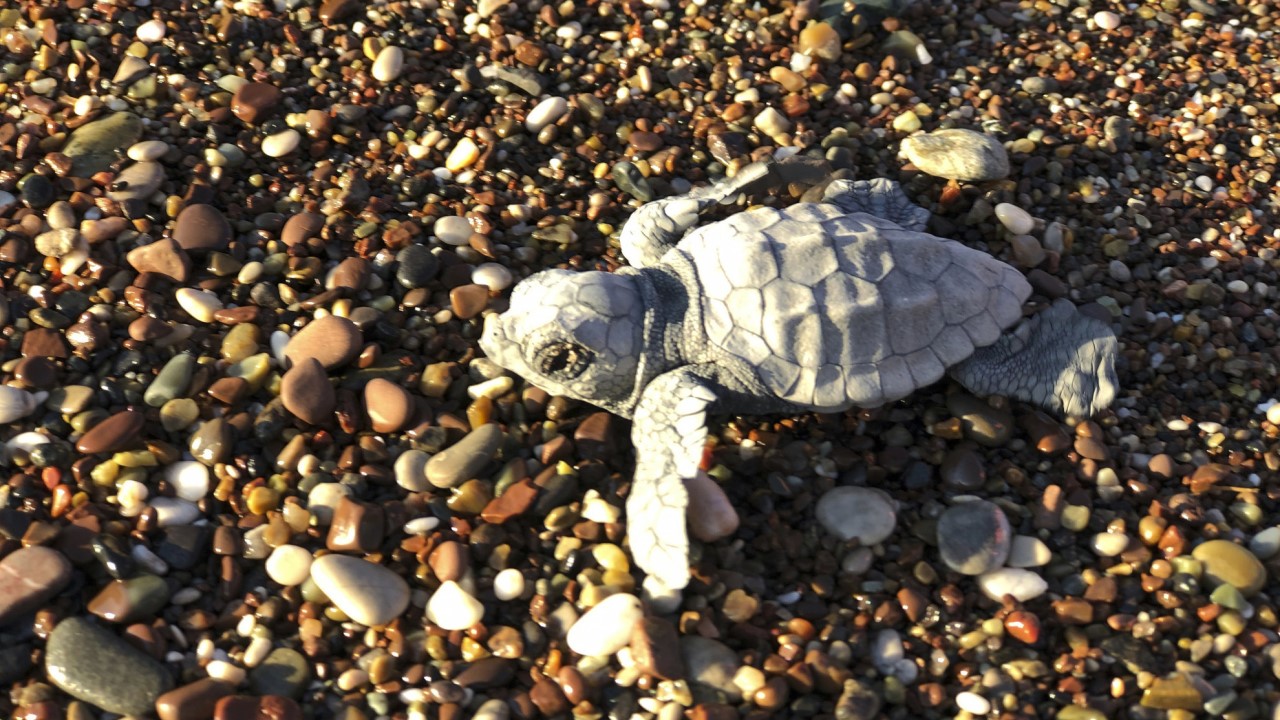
(669, 431)
(657, 226)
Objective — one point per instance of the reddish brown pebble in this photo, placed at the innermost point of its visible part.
(254, 101)
(333, 341)
(449, 560)
(201, 228)
(468, 300)
(352, 273)
(194, 701)
(29, 577)
(357, 526)
(301, 227)
(655, 647)
(517, 499)
(306, 392)
(147, 328)
(162, 257)
(114, 433)
(1023, 626)
(388, 405)
(43, 342)
(548, 697)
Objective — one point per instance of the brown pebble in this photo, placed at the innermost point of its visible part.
(388, 405)
(253, 101)
(449, 560)
(333, 341)
(44, 342)
(655, 648)
(147, 328)
(162, 257)
(1023, 626)
(357, 526)
(301, 227)
(514, 502)
(267, 707)
(353, 273)
(468, 300)
(114, 433)
(193, 701)
(36, 372)
(306, 392)
(548, 697)
(201, 228)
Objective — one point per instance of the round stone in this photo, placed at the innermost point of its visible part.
(462, 156)
(1028, 551)
(508, 584)
(711, 514)
(199, 304)
(493, 276)
(189, 480)
(15, 404)
(281, 143)
(137, 182)
(1022, 584)
(606, 628)
(1106, 20)
(465, 458)
(453, 230)
(289, 565)
(417, 266)
(545, 113)
(411, 471)
(306, 392)
(367, 593)
(974, 537)
(147, 150)
(863, 513)
(1232, 564)
(389, 64)
(452, 608)
(201, 228)
(388, 405)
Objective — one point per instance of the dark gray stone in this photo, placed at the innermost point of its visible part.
(92, 664)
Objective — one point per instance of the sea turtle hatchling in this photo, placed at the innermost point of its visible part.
(813, 307)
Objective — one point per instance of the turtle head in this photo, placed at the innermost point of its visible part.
(580, 335)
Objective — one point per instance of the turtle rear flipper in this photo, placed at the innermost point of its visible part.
(1060, 359)
(881, 198)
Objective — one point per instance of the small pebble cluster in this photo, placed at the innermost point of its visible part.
(255, 466)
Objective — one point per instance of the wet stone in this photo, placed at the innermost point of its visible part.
(127, 601)
(115, 433)
(974, 537)
(211, 442)
(270, 707)
(417, 266)
(92, 664)
(356, 526)
(1232, 564)
(29, 577)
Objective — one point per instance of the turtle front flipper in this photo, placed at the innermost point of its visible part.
(657, 226)
(669, 431)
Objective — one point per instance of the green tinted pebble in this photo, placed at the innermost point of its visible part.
(895, 693)
(1228, 597)
(104, 473)
(1247, 513)
(240, 342)
(1075, 517)
(1231, 622)
(69, 399)
(172, 380)
(1076, 712)
(135, 459)
(1187, 565)
(179, 414)
(87, 419)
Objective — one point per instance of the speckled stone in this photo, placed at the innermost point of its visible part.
(92, 664)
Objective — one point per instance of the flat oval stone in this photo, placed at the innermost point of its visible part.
(114, 433)
(281, 143)
(452, 230)
(172, 380)
(711, 514)
(389, 63)
(1228, 563)
(29, 577)
(95, 145)
(139, 181)
(958, 154)
(331, 340)
(202, 227)
(367, 593)
(850, 512)
(974, 537)
(211, 442)
(464, 458)
(388, 405)
(92, 664)
(306, 392)
(1023, 585)
(301, 227)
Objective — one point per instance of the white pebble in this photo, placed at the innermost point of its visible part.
(172, 511)
(223, 670)
(492, 389)
(495, 709)
(1106, 20)
(421, 526)
(411, 471)
(453, 230)
(258, 650)
(1017, 220)
(452, 608)
(1023, 585)
(148, 150)
(462, 156)
(493, 276)
(606, 628)
(131, 494)
(281, 143)
(1028, 551)
(289, 565)
(190, 479)
(15, 404)
(545, 113)
(771, 122)
(151, 31)
(199, 304)
(973, 703)
(508, 584)
(389, 65)
(1109, 544)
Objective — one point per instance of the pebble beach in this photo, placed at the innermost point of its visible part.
(255, 465)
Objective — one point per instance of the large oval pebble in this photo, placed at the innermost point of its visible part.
(369, 594)
(857, 512)
(606, 628)
(958, 154)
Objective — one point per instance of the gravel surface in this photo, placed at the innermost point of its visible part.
(253, 454)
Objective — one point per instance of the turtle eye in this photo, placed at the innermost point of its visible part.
(564, 359)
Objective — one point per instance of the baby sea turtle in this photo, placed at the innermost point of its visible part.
(814, 307)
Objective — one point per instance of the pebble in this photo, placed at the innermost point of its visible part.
(452, 608)
(172, 511)
(331, 340)
(389, 64)
(1227, 562)
(139, 181)
(92, 664)
(974, 537)
(958, 154)
(281, 143)
(462, 156)
(606, 628)
(199, 304)
(1022, 584)
(863, 513)
(289, 565)
(94, 145)
(389, 406)
(772, 123)
(453, 230)
(254, 101)
(193, 701)
(201, 228)
(162, 257)
(29, 577)
(546, 113)
(508, 584)
(128, 601)
(15, 404)
(493, 276)
(1266, 544)
(1106, 20)
(973, 703)
(301, 227)
(1109, 544)
(1028, 551)
(116, 432)
(367, 593)
(270, 707)
(416, 266)
(711, 513)
(712, 663)
(410, 470)
(1015, 219)
(57, 243)
(284, 672)
(462, 461)
(306, 392)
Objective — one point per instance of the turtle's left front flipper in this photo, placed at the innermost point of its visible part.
(669, 431)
